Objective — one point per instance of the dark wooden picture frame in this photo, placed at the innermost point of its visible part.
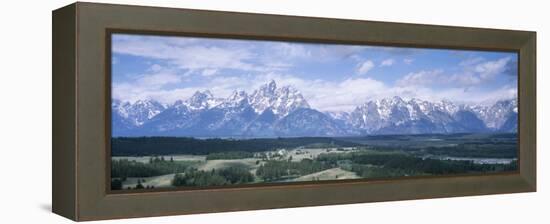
(81, 110)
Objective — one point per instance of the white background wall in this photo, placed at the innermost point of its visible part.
(25, 112)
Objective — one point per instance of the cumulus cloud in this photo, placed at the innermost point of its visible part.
(364, 67)
(344, 95)
(488, 70)
(387, 62)
(178, 67)
(408, 61)
(209, 72)
(148, 85)
(472, 61)
(474, 72)
(398, 51)
(422, 78)
(292, 50)
(155, 67)
(323, 95)
(158, 80)
(186, 55)
(207, 53)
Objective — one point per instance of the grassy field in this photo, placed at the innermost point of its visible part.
(330, 174)
(145, 159)
(248, 163)
(360, 157)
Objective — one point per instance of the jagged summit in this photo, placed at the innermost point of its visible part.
(202, 100)
(415, 116)
(281, 100)
(139, 112)
(269, 87)
(273, 110)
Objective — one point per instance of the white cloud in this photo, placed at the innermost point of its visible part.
(475, 72)
(471, 95)
(158, 80)
(329, 52)
(323, 95)
(320, 94)
(422, 78)
(147, 86)
(466, 79)
(169, 81)
(365, 67)
(387, 62)
(182, 53)
(155, 68)
(488, 70)
(132, 93)
(346, 95)
(471, 61)
(199, 57)
(209, 72)
(292, 50)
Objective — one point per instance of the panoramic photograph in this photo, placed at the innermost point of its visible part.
(201, 112)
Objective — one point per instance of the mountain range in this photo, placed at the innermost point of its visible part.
(272, 111)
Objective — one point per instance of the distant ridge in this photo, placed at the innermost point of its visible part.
(273, 111)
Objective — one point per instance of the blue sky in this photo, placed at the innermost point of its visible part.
(331, 77)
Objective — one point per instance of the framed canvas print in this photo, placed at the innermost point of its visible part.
(202, 111)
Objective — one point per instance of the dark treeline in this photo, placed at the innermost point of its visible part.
(472, 150)
(448, 137)
(369, 171)
(411, 165)
(142, 146)
(155, 167)
(493, 150)
(200, 178)
(274, 170)
(229, 155)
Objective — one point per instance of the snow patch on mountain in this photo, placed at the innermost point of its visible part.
(202, 100)
(139, 112)
(272, 111)
(281, 101)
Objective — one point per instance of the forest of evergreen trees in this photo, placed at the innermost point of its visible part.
(386, 157)
(200, 178)
(147, 146)
(275, 170)
(155, 167)
(229, 155)
(402, 164)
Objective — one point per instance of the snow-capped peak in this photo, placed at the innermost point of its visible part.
(273, 108)
(238, 96)
(236, 99)
(281, 100)
(202, 100)
(338, 115)
(271, 86)
(139, 111)
(496, 114)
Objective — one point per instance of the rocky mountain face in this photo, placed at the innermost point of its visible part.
(501, 116)
(397, 116)
(281, 101)
(272, 111)
(137, 113)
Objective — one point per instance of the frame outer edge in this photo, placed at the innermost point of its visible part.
(93, 203)
(64, 187)
(528, 94)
